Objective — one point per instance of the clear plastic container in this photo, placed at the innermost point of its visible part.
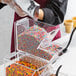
(31, 58)
(2, 68)
(30, 34)
(24, 64)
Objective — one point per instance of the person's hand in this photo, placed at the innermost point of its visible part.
(17, 9)
(0, 1)
(6, 1)
(14, 6)
(29, 6)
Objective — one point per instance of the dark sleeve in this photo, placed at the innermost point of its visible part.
(54, 11)
(2, 5)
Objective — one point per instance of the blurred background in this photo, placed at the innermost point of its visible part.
(6, 23)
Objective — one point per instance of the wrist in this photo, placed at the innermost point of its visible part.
(39, 15)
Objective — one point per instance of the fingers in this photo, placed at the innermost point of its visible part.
(6, 1)
(14, 6)
(17, 9)
(0, 1)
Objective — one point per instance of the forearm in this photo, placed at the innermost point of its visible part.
(54, 12)
(47, 16)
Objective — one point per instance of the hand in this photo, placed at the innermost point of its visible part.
(6, 1)
(0, 1)
(29, 6)
(14, 6)
(39, 15)
(17, 9)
